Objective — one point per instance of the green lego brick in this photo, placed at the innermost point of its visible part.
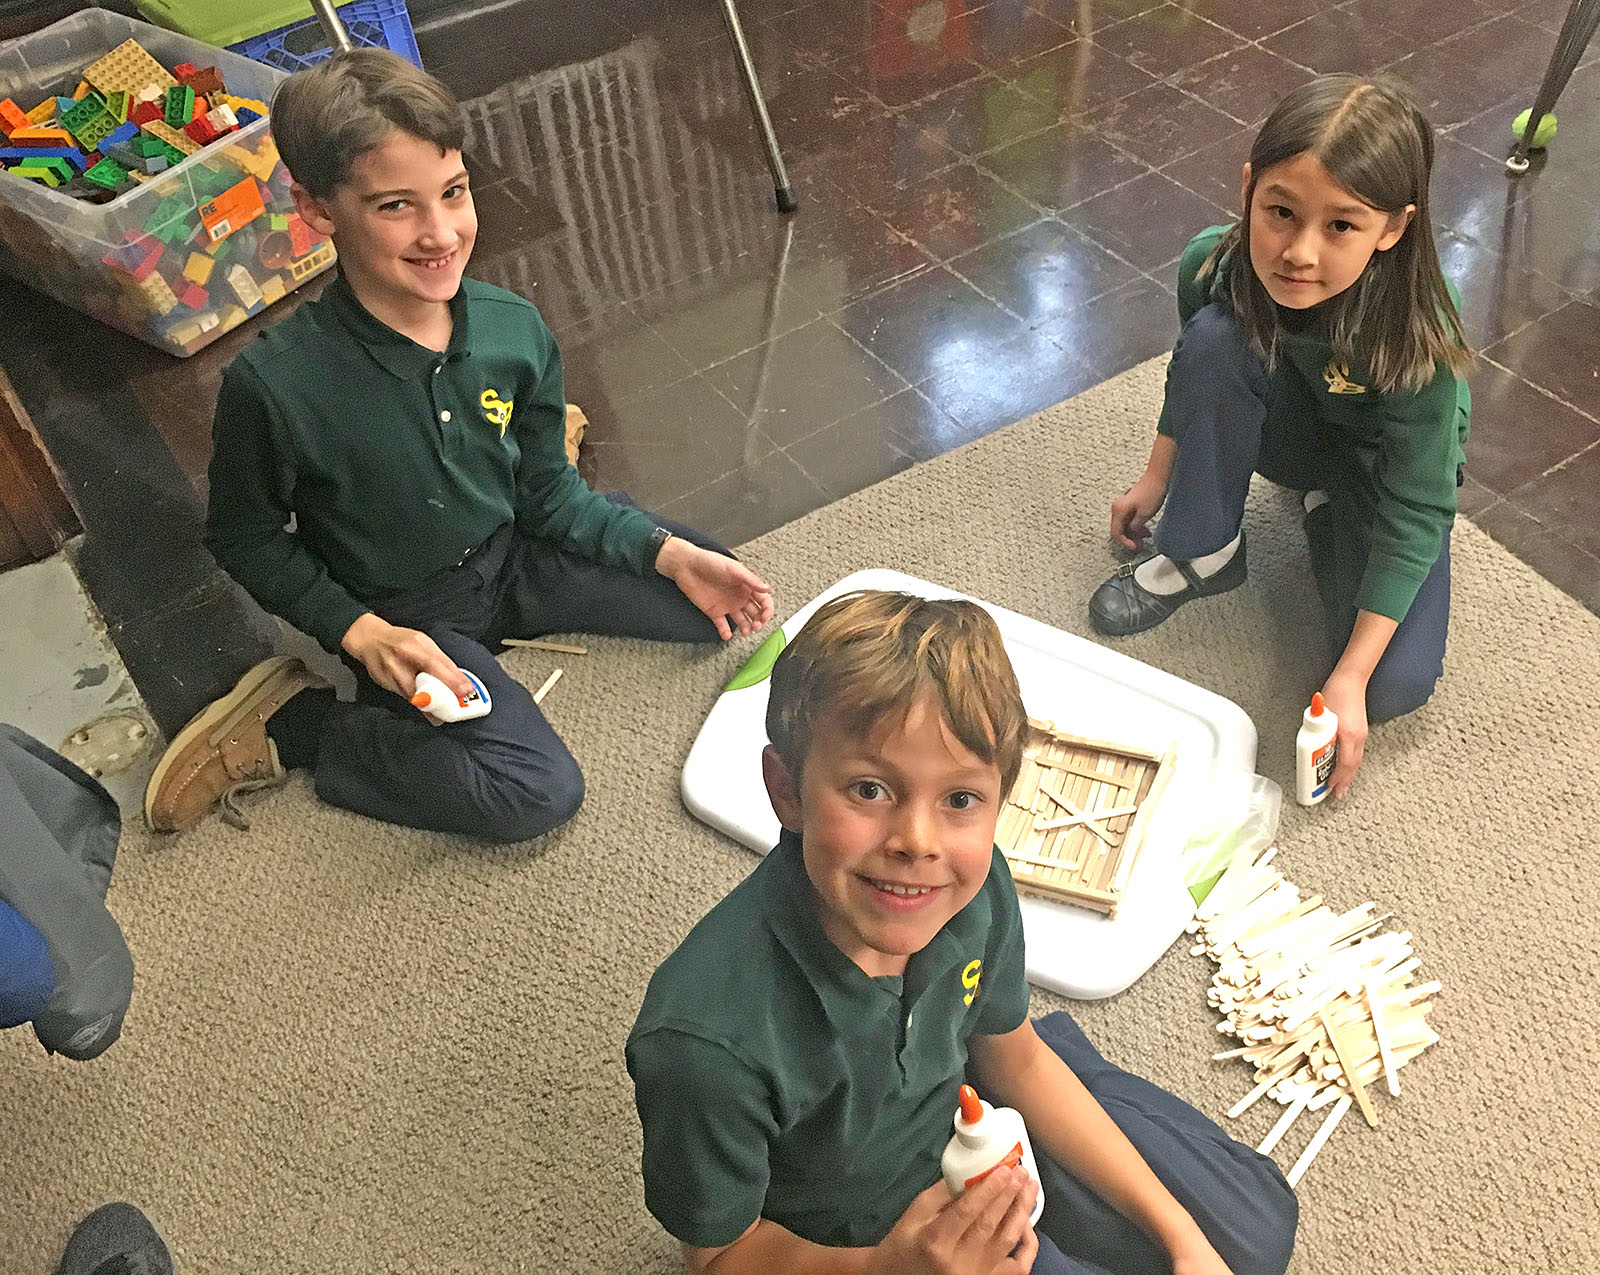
(88, 120)
(146, 146)
(278, 221)
(107, 173)
(36, 172)
(117, 105)
(179, 106)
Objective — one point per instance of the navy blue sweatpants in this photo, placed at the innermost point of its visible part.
(506, 776)
(1231, 418)
(1237, 1197)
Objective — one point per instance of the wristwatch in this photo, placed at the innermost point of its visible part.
(652, 551)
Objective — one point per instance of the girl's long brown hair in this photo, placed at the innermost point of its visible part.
(1397, 319)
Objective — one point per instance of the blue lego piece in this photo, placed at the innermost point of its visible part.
(64, 104)
(246, 116)
(15, 154)
(124, 132)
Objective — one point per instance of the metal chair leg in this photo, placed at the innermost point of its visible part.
(782, 191)
(1576, 32)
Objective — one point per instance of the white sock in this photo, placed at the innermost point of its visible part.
(1159, 575)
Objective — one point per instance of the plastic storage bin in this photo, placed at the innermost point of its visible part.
(61, 245)
(283, 33)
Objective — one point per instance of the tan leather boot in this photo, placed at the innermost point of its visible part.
(225, 750)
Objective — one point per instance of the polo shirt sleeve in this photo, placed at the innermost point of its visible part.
(252, 479)
(1416, 486)
(552, 500)
(708, 1124)
(1003, 999)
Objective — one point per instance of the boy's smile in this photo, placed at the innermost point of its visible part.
(897, 832)
(404, 225)
(1310, 238)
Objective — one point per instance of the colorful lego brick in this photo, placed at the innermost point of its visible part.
(179, 109)
(243, 285)
(198, 268)
(89, 121)
(193, 296)
(231, 316)
(34, 172)
(31, 154)
(277, 221)
(303, 268)
(108, 173)
(36, 135)
(82, 91)
(55, 163)
(206, 80)
(272, 290)
(258, 164)
(202, 131)
(124, 132)
(149, 259)
(129, 68)
(301, 237)
(12, 117)
(153, 164)
(235, 207)
(144, 112)
(117, 102)
(169, 220)
(171, 137)
(44, 112)
(64, 104)
(183, 70)
(157, 292)
(222, 118)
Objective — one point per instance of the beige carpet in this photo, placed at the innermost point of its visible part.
(354, 1048)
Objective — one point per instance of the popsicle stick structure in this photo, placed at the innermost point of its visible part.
(1323, 1001)
(1075, 819)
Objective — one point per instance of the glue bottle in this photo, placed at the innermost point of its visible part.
(987, 1138)
(1316, 750)
(437, 700)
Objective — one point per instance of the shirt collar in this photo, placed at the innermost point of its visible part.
(396, 353)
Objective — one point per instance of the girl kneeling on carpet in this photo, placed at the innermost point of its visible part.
(1322, 349)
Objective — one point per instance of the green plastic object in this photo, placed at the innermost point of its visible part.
(107, 173)
(759, 666)
(225, 22)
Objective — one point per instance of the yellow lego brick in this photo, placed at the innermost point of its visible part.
(239, 103)
(198, 268)
(313, 261)
(44, 112)
(231, 316)
(156, 291)
(171, 136)
(184, 332)
(127, 68)
(257, 163)
(273, 289)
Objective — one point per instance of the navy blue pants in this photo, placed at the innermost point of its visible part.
(506, 776)
(1237, 1197)
(1231, 418)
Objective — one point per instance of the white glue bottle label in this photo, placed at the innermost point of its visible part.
(987, 1138)
(1316, 752)
(437, 700)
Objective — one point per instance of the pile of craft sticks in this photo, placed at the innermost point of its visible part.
(1323, 1001)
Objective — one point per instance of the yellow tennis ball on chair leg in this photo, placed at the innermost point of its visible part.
(1541, 135)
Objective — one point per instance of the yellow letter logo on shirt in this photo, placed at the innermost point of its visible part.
(969, 979)
(496, 410)
(1337, 376)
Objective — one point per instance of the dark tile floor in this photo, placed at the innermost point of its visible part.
(993, 197)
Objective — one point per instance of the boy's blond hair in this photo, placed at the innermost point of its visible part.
(328, 116)
(866, 657)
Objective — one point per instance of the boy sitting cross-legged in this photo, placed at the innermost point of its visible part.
(797, 1059)
(389, 475)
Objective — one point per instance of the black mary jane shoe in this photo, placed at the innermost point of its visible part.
(1122, 605)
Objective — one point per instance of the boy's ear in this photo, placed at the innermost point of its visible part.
(311, 209)
(1396, 228)
(1244, 190)
(782, 789)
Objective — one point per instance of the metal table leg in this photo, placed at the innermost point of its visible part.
(781, 189)
(1576, 32)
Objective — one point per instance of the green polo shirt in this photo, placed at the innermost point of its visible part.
(393, 460)
(1407, 444)
(776, 1079)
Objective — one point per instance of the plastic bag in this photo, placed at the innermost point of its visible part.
(1246, 830)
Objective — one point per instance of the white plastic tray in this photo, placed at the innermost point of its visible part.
(1085, 689)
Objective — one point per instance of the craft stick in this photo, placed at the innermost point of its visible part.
(1319, 1139)
(1347, 1063)
(538, 695)
(1082, 817)
(1228, 882)
(1266, 931)
(543, 644)
(1290, 1115)
(1075, 768)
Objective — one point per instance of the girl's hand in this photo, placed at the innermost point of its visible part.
(1131, 512)
(1347, 697)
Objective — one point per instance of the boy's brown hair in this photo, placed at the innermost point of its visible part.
(328, 116)
(867, 656)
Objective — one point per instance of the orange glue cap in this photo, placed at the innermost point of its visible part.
(1316, 703)
(971, 1105)
(421, 699)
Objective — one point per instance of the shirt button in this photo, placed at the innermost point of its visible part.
(437, 368)
(910, 1018)
(444, 416)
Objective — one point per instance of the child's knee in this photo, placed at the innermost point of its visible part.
(1394, 692)
(523, 807)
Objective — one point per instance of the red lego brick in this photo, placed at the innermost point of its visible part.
(182, 70)
(144, 112)
(206, 80)
(302, 238)
(194, 296)
(201, 130)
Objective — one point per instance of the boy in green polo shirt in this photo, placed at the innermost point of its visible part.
(389, 475)
(797, 1058)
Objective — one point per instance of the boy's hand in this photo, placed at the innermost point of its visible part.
(1199, 1259)
(393, 656)
(724, 589)
(1131, 512)
(984, 1231)
(1347, 697)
